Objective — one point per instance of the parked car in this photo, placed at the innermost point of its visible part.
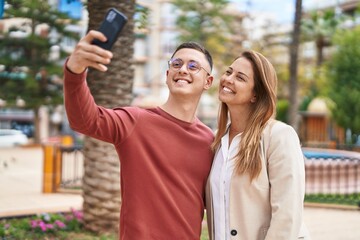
(12, 138)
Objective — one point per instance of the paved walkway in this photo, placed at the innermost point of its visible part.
(21, 175)
(21, 194)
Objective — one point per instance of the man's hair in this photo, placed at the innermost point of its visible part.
(196, 46)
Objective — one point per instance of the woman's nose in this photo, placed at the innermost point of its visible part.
(227, 78)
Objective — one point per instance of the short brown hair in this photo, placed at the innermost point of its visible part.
(196, 46)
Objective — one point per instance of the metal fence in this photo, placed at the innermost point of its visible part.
(63, 168)
(72, 162)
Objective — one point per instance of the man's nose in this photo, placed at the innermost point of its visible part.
(184, 69)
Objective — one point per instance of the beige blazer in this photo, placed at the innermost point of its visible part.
(271, 206)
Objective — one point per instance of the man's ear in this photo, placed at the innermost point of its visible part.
(209, 81)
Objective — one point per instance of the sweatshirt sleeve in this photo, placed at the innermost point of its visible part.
(287, 180)
(86, 117)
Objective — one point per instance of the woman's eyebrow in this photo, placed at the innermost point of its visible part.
(239, 72)
(243, 74)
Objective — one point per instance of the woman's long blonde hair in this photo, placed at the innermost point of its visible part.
(248, 158)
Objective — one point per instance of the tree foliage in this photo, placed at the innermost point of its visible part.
(344, 79)
(209, 23)
(29, 72)
(319, 27)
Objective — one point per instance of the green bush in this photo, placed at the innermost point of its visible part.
(342, 199)
(282, 107)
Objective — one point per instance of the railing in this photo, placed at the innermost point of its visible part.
(333, 180)
(63, 168)
(72, 161)
(329, 179)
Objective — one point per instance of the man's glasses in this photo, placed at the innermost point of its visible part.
(192, 66)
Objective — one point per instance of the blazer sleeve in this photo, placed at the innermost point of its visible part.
(286, 173)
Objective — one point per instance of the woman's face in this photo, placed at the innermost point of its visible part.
(237, 84)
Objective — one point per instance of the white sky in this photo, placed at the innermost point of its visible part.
(282, 11)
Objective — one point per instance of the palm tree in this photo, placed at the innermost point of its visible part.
(101, 182)
(320, 27)
(293, 86)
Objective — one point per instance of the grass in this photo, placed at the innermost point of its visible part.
(341, 199)
(61, 226)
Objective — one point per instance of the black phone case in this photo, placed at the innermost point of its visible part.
(111, 27)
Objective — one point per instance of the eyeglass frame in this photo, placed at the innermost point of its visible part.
(187, 65)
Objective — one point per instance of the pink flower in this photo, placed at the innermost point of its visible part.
(77, 214)
(42, 225)
(34, 223)
(49, 226)
(60, 224)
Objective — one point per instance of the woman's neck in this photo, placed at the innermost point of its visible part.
(239, 121)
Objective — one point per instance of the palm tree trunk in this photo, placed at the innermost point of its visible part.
(320, 43)
(101, 183)
(293, 85)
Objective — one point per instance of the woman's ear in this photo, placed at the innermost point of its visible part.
(253, 99)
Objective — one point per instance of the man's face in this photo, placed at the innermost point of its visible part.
(188, 73)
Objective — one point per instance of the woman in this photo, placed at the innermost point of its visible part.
(255, 189)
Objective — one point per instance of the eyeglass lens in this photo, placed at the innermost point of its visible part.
(192, 66)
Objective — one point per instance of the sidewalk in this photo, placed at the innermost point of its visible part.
(21, 175)
(332, 224)
(21, 194)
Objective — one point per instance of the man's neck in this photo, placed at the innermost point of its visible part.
(184, 111)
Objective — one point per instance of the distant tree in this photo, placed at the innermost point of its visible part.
(293, 83)
(344, 80)
(319, 27)
(31, 72)
(209, 23)
(101, 181)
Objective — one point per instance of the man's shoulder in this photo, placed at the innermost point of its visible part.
(205, 129)
(135, 109)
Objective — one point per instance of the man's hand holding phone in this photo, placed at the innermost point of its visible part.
(93, 50)
(87, 54)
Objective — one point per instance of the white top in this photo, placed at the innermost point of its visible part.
(220, 178)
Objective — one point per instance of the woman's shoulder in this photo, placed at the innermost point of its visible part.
(279, 128)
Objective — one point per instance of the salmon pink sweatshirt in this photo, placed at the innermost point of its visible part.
(165, 163)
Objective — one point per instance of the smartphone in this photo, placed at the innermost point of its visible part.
(111, 27)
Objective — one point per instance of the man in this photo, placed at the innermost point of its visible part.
(165, 151)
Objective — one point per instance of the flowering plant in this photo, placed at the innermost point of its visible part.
(51, 222)
(46, 223)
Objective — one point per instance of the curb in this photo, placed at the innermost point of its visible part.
(332, 206)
